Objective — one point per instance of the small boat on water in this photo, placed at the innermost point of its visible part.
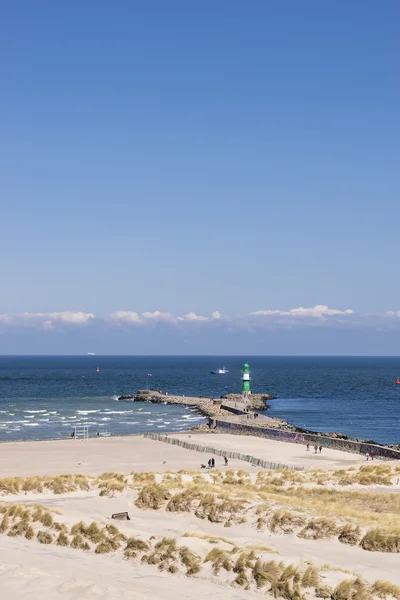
(398, 381)
(222, 371)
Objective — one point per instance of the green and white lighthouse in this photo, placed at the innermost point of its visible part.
(246, 380)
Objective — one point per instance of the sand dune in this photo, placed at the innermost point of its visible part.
(30, 568)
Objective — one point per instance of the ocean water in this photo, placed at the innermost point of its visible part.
(44, 397)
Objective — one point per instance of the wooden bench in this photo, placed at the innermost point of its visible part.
(122, 516)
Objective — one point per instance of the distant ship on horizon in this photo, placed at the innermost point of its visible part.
(91, 354)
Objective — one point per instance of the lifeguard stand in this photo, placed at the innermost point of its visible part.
(81, 432)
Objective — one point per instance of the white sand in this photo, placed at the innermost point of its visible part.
(283, 452)
(28, 569)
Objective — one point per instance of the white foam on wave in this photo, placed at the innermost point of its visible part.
(160, 426)
(44, 420)
(86, 412)
(128, 422)
(105, 419)
(118, 412)
(35, 411)
(31, 424)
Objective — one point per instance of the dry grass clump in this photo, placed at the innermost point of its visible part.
(323, 592)
(79, 543)
(46, 519)
(311, 578)
(191, 561)
(317, 529)
(110, 487)
(5, 524)
(29, 533)
(61, 484)
(218, 510)
(350, 535)
(106, 546)
(64, 484)
(266, 572)
(380, 540)
(244, 562)
(60, 527)
(288, 584)
(135, 547)
(351, 589)
(62, 539)
(111, 475)
(19, 528)
(79, 528)
(141, 478)
(167, 555)
(285, 521)
(231, 478)
(10, 485)
(182, 501)
(220, 559)
(152, 496)
(44, 537)
(385, 590)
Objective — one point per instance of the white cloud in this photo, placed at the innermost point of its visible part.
(191, 316)
(47, 320)
(319, 311)
(159, 316)
(392, 313)
(126, 316)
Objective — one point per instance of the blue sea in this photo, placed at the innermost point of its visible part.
(43, 397)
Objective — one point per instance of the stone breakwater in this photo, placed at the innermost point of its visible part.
(209, 407)
(226, 414)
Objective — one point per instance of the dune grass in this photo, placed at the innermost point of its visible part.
(219, 559)
(152, 496)
(385, 590)
(283, 520)
(380, 540)
(182, 501)
(44, 537)
(134, 547)
(352, 589)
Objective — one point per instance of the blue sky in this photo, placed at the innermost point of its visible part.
(173, 158)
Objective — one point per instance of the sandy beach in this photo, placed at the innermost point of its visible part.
(245, 521)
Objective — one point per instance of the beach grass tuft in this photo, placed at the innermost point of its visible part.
(152, 497)
(44, 537)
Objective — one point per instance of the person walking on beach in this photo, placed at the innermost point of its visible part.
(213, 462)
(226, 461)
(308, 446)
(315, 448)
(320, 449)
(372, 454)
(367, 455)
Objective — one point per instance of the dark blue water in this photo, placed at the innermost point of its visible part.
(44, 397)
